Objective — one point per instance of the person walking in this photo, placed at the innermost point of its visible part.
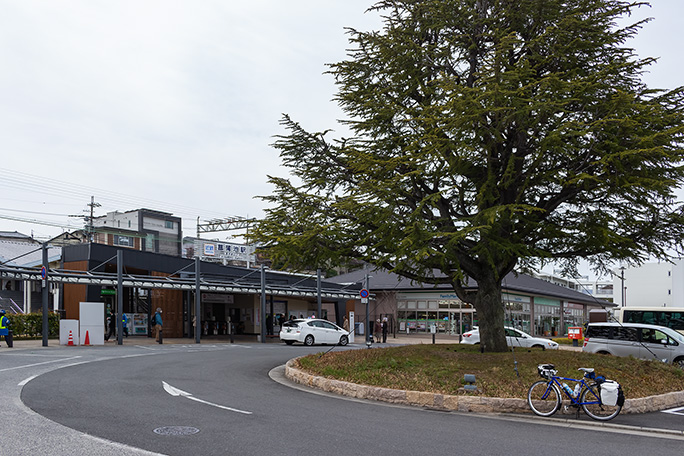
(111, 322)
(124, 321)
(377, 329)
(157, 322)
(385, 328)
(4, 328)
(345, 325)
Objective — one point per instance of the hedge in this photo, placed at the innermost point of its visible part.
(30, 326)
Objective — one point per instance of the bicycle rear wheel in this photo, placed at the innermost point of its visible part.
(597, 410)
(544, 398)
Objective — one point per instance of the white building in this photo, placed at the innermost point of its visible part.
(599, 288)
(651, 284)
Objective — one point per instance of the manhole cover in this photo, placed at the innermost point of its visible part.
(176, 430)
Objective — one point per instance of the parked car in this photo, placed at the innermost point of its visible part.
(313, 331)
(639, 340)
(514, 338)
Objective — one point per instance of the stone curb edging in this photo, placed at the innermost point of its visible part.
(464, 403)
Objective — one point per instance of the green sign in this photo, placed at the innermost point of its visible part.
(107, 292)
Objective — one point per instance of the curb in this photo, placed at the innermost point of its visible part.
(478, 404)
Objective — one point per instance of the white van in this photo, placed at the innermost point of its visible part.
(637, 340)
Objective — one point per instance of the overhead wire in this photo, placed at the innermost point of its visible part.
(111, 200)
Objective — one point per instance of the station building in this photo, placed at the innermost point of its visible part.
(536, 306)
(229, 293)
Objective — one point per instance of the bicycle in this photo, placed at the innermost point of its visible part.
(593, 394)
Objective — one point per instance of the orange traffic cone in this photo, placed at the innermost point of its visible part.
(71, 339)
(87, 339)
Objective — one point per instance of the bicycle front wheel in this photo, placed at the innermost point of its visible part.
(592, 405)
(544, 398)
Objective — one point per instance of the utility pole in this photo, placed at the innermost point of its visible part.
(88, 219)
(91, 229)
(46, 293)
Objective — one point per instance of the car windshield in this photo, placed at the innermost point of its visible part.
(676, 336)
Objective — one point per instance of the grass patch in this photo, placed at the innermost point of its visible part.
(440, 368)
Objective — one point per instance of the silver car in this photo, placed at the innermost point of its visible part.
(637, 340)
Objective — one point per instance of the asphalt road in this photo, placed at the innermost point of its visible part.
(230, 399)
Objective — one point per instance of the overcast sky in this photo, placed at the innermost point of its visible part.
(172, 105)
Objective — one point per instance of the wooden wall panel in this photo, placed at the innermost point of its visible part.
(74, 293)
(171, 303)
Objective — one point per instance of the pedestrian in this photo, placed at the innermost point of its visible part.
(111, 322)
(269, 325)
(385, 328)
(4, 328)
(377, 330)
(345, 325)
(157, 322)
(124, 321)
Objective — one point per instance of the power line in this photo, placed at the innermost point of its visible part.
(53, 187)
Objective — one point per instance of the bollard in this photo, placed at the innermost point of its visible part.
(161, 336)
(8, 339)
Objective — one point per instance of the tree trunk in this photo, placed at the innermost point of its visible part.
(490, 315)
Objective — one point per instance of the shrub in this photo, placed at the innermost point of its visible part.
(30, 326)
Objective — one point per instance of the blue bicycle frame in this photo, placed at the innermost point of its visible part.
(583, 385)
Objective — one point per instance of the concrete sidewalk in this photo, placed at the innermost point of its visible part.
(399, 339)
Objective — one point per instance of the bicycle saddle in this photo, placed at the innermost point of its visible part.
(587, 370)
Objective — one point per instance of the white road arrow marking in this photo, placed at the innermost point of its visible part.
(675, 411)
(173, 391)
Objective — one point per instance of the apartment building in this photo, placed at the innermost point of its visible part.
(141, 229)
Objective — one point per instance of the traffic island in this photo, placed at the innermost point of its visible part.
(465, 403)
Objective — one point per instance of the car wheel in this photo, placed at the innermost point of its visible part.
(309, 340)
(679, 362)
(344, 340)
(539, 346)
(289, 342)
(602, 352)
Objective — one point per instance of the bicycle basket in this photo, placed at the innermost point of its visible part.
(546, 370)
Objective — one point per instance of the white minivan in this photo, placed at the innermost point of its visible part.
(635, 339)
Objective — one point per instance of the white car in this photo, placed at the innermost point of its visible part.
(514, 338)
(313, 331)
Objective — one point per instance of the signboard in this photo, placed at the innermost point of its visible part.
(226, 250)
(218, 298)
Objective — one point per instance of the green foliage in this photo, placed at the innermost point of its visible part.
(30, 326)
(440, 368)
(486, 135)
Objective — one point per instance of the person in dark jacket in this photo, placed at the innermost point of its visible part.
(111, 322)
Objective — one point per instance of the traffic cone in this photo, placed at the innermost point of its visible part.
(71, 339)
(87, 339)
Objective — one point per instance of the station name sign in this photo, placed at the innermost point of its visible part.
(225, 250)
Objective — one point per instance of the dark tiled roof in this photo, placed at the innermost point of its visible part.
(381, 280)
